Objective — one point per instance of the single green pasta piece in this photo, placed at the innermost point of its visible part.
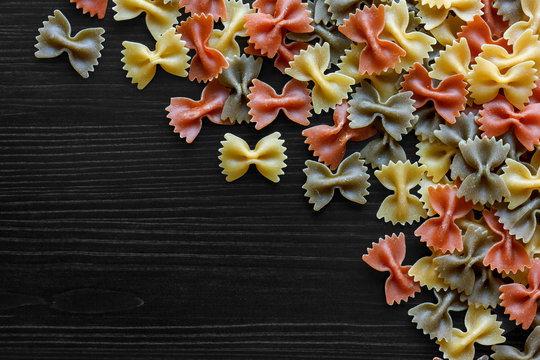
(479, 159)
(521, 221)
(401, 207)
(427, 122)
(83, 49)
(340, 9)
(396, 114)
(434, 319)
(238, 77)
(319, 12)
(531, 351)
(510, 10)
(350, 178)
(382, 151)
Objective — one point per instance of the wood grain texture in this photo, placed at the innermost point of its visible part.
(97, 192)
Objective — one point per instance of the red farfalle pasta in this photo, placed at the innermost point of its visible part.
(507, 255)
(186, 114)
(448, 98)
(285, 54)
(478, 32)
(521, 302)
(387, 255)
(328, 143)
(499, 116)
(495, 21)
(266, 30)
(207, 62)
(365, 26)
(442, 233)
(265, 103)
(94, 7)
(216, 8)
(265, 6)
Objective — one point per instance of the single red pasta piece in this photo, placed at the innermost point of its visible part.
(285, 54)
(216, 8)
(495, 21)
(442, 233)
(499, 116)
(94, 7)
(477, 32)
(535, 97)
(186, 114)
(449, 97)
(266, 31)
(387, 255)
(265, 103)
(207, 62)
(365, 26)
(521, 302)
(507, 255)
(328, 143)
(265, 6)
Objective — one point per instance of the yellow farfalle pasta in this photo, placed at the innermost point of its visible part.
(329, 89)
(454, 59)
(225, 40)
(434, 12)
(425, 272)
(140, 62)
(348, 63)
(437, 158)
(416, 44)
(526, 48)
(482, 327)
(531, 9)
(160, 15)
(447, 32)
(401, 207)
(268, 156)
(520, 182)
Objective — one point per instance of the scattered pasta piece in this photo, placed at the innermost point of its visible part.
(140, 62)
(186, 114)
(401, 207)
(388, 255)
(532, 349)
(351, 179)
(233, 27)
(520, 182)
(265, 104)
(382, 151)
(442, 233)
(216, 8)
(94, 7)
(531, 10)
(425, 273)
(268, 157)
(437, 157)
(328, 143)
(521, 221)
(285, 54)
(340, 9)
(160, 14)
(477, 33)
(434, 12)
(83, 49)
(453, 60)
(449, 97)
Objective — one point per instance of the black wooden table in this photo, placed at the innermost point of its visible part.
(99, 199)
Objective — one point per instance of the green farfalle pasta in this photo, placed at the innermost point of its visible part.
(351, 179)
(531, 351)
(521, 221)
(428, 121)
(238, 77)
(340, 9)
(479, 159)
(510, 10)
(382, 151)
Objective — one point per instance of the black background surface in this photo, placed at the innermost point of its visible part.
(97, 192)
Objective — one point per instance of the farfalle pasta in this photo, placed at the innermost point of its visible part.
(328, 143)
(481, 326)
(521, 183)
(351, 179)
(186, 114)
(93, 7)
(383, 150)
(265, 104)
(510, 10)
(216, 8)
(401, 207)
(365, 27)
(208, 62)
(140, 62)
(428, 121)
(434, 12)
(160, 14)
(328, 89)
(340, 9)
(388, 255)
(453, 60)
(520, 301)
(225, 40)
(395, 114)
(424, 271)
(436, 157)
(493, 19)
(531, 351)
(478, 33)
(441, 233)
(83, 49)
(268, 157)
(285, 53)
(531, 12)
(238, 77)
(448, 98)
(521, 221)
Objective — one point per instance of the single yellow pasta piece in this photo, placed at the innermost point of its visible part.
(447, 32)
(526, 48)
(415, 43)
(531, 9)
(160, 15)
(454, 59)
(401, 207)
(434, 12)
(348, 63)
(268, 156)
(225, 40)
(437, 158)
(425, 272)
(520, 182)
(141, 62)
(329, 89)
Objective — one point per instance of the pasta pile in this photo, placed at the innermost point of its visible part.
(460, 74)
